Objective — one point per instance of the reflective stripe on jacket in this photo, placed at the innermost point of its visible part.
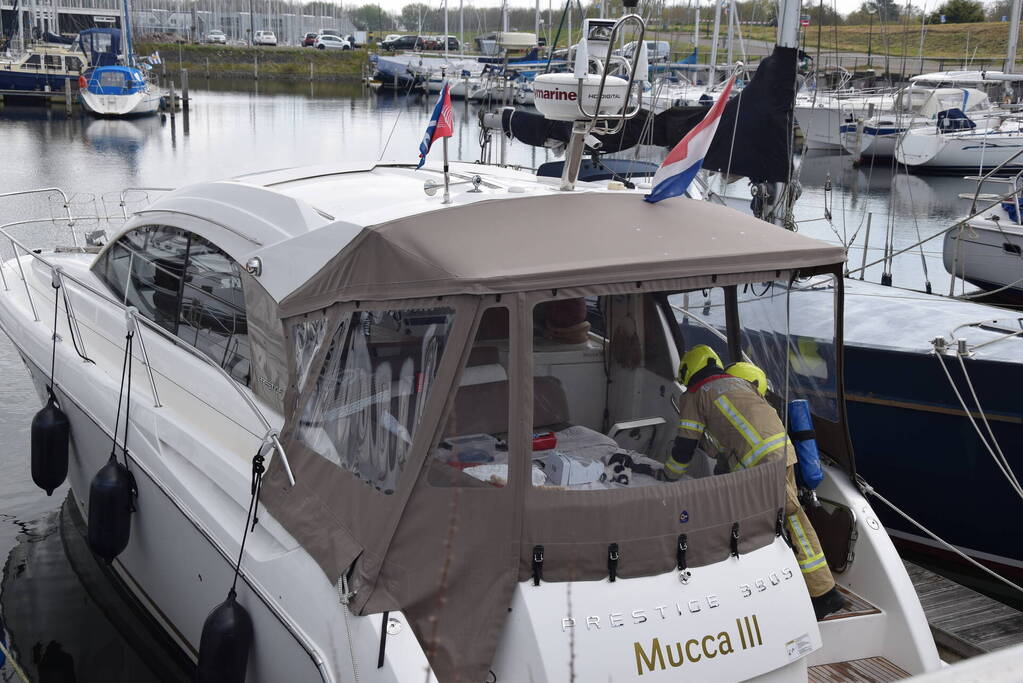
(735, 421)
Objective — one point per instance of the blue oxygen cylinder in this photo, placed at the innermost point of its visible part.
(808, 460)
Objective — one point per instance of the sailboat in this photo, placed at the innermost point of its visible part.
(123, 89)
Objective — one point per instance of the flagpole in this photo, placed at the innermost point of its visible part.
(447, 186)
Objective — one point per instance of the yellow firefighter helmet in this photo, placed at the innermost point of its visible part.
(696, 359)
(751, 373)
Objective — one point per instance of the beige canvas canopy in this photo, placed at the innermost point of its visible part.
(450, 557)
(553, 241)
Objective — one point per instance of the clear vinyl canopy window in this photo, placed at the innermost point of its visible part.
(367, 403)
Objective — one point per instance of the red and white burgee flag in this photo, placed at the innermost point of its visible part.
(442, 124)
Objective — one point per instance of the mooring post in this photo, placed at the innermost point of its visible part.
(184, 90)
(255, 67)
(866, 245)
(207, 67)
(171, 98)
(310, 71)
(67, 97)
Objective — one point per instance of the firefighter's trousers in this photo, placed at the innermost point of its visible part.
(808, 551)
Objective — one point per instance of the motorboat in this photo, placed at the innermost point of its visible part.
(120, 91)
(956, 144)
(395, 454)
(393, 392)
(43, 67)
(914, 107)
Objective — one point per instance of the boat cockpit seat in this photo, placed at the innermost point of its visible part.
(483, 408)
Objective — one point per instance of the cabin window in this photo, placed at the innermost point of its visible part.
(473, 451)
(73, 63)
(33, 61)
(53, 62)
(212, 312)
(112, 79)
(186, 285)
(365, 408)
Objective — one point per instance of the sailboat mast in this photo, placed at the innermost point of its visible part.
(1010, 58)
(129, 51)
(696, 28)
(504, 16)
(445, 31)
(712, 77)
(461, 28)
(788, 23)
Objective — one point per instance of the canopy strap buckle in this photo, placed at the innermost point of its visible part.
(683, 546)
(537, 564)
(734, 541)
(779, 527)
(612, 562)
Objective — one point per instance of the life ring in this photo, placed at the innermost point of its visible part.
(82, 83)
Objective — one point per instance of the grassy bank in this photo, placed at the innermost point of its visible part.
(941, 41)
(284, 63)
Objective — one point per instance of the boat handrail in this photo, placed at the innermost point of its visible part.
(271, 433)
(986, 178)
(625, 114)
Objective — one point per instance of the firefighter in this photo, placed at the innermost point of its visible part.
(729, 417)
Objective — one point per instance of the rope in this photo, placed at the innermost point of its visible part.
(870, 491)
(955, 225)
(969, 414)
(987, 425)
(53, 353)
(258, 469)
(14, 665)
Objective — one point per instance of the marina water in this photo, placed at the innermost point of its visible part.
(59, 615)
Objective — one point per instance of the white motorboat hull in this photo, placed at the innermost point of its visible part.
(135, 104)
(986, 254)
(863, 140)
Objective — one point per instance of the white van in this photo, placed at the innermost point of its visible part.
(657, 50)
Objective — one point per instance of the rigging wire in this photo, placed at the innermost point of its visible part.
(871, 491)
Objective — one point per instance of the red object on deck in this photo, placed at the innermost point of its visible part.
(544, 441)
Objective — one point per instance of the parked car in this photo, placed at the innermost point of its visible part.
(656, 50)
(216, 37)
(264, 38)
(310, 39)
(403, 43)
(332, 43)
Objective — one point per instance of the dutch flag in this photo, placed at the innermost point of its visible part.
(441, 124)
(684, 161)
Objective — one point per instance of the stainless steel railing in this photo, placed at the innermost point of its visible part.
(62, 276)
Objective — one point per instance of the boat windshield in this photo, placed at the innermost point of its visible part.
(605, 391)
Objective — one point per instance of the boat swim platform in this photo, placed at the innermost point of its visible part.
(963, 622)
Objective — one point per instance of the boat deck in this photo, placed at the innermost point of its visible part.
(873, 669)
(963, 621)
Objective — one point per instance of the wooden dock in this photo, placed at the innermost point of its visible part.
(67, 98)
(964, 622)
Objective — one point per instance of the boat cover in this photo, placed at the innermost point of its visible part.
(754, 137)
(450, 557)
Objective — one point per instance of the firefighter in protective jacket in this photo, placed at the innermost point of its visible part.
(728, 417)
